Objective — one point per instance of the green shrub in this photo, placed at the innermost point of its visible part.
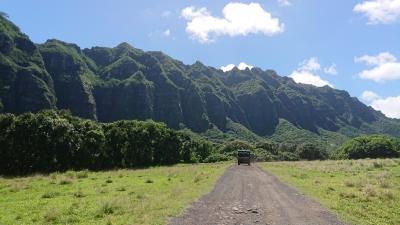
(373, 146)
(217, 157)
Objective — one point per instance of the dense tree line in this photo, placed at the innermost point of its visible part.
(56, 141)
(270, 151)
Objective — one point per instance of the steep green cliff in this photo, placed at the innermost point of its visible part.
(108, 84)
(25, 85)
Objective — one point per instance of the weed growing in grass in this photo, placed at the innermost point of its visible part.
(350, 183)
(51, 194)
(101, 190)
(107, 208)
(109, 181)
(65, 180)
(329, 189)
(197, 179)
(149, 181)
(347, 194)
(140, 196)
(53, 176)
(369, 191)
(70, 174)
(109, 222)
(51, 215)
(79, 194)
(387, 194)
(121, 189)
(377, 164)
(82, 174)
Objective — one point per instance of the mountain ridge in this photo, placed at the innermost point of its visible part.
(123, 82)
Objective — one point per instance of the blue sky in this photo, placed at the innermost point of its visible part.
(350, 45)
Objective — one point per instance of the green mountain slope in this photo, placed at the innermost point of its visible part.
(108, 84)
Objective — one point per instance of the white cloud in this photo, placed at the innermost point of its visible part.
(307, 77)
(284, 3)
(238, 19)
(369, 96)
(331, 70)
(306, 73)
(228, 67)
(379, 11)
(241, 66)
(385, 67)
(382, 58)
(167, 33)
(310, 64)
(389, 106)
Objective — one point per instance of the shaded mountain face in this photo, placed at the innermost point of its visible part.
(109, 84)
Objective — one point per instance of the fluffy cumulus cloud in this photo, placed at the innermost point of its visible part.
(383, 67)
(331, 70)
(380, 11)
(369, 96)
(389, 106)
(238, 19)
(306, 73)
(241, 66)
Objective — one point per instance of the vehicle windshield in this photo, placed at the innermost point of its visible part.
(243, 154)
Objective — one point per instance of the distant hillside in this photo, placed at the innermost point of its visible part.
(108, 84)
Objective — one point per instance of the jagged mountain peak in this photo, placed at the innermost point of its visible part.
(124, 82)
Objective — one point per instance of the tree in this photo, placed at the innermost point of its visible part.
(310, 152)
(373, 146)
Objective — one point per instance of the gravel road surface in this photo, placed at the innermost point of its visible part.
(247, 195)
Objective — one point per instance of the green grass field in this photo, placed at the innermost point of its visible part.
(146, 196)
(359, 191)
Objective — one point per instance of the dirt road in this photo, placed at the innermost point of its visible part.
(248, 195)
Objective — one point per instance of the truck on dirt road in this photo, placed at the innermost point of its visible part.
(244, 156)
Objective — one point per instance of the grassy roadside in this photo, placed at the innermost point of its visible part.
(147, 196)
(360, 191)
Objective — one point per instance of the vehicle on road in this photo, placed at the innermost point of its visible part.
(244, 156)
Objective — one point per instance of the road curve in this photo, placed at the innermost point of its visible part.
(248, 195)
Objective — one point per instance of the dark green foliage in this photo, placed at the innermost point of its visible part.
(56, 141)
(217, 157)
(232, 147)
(311, 152)
(374, 146)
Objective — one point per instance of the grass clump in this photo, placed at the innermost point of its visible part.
(107, 208)
(50, 194)
(121, 189)
(348, 195)
(82, 174)
(79, 194)
(149, 181)
(51, 215)
(65, 180)
(109, 181)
